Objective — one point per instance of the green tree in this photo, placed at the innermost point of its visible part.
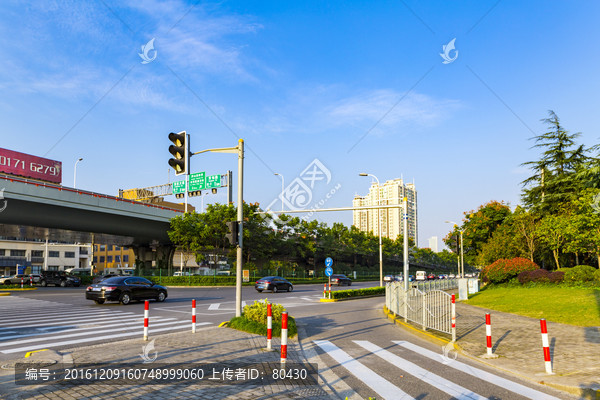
(554, 230)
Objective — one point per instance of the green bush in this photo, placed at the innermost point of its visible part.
(556, 276)
(597, 275)
(343, 294)
(580, 274)
(537, 275)
(505, 270)
(244, 324)
(258, 311)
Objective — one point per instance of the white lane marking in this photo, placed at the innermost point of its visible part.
(424, 375)
(76, 321)
(170, 310)
(53, 319)
(181, 325)
(124, 324)
(214, 306)
(479, 373)
(381, 386)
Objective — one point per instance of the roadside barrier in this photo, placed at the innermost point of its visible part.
(546, 346)
(284, 333)
(324, 290)
(146, 312)
(194, 316)
(330, 290)
(31, 281)
(488, 333)
(453, 318)
(269, 326)
(21, 282)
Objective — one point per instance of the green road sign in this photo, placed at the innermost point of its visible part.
(213, 181)
(178, 187)
(197, 181)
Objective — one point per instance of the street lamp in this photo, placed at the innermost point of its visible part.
(461, 261)
(282, 185)
(379, 226)
(75, 172)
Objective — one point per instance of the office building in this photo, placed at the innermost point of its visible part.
(433, 244)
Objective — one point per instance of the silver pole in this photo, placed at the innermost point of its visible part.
(462, 256)
(405, 245)
(240, 219)
(75, 173)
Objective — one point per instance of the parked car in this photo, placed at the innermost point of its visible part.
(340, 280)
(451, 276)
(274, 283)
(58, 278)
(389, 278)
(431, 277)
(442, 276)
(411, 278)
(14, 279)
(124, 289)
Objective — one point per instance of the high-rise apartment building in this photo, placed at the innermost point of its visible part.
(433, 244)
(390, 193)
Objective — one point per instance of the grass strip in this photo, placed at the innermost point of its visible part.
(246, 325)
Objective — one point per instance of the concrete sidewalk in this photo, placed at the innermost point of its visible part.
(206, 346)
(517, 342)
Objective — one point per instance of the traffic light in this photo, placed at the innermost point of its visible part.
(232, 236)
(180, 151)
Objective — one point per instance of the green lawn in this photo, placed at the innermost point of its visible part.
(567, 305)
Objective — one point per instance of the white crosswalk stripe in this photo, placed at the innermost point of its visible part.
(29, 324)
(397, 365)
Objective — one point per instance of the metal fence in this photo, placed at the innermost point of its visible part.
(437, 284)
(430, 307)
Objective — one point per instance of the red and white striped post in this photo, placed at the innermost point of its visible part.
(546, 345)
(284, 333)
(21, 282)
(325, 290)
(194, 316)
(269, 326)
(488, 333)
(30, 280)
(329, 288)
(146, 312)
(453, 318)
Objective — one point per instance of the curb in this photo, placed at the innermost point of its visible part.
(583, 393)
(19, 290)
(351, 298)
(5, 294)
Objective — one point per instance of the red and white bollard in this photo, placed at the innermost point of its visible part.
(325, 290)
(488, 333)
(329, 290)
(31, 281)
(146, 312)
(194, 316)
(269, 326)
(21, 282)
(453, 318)
(546, 345)
(284, 328)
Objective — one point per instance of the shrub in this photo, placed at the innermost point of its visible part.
(580, 274)
(537, 275)
(503, 270)
(597, 275)
(556, 276)
(258, 311)
(342, 294)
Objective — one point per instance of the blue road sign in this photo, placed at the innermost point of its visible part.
(328, 262)
(328, 271)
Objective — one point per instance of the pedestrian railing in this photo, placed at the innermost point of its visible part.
(437, 284)
(430, 308)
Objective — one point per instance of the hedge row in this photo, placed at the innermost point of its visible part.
(343, 294)
(576, 275)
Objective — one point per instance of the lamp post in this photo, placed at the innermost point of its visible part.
(379, 226)
(75, 173)
(282, 186)
(461, 260)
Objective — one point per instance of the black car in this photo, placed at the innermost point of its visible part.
(340, 280)
(58, 278)
(274, 283)
(124, 289)
(100, 278)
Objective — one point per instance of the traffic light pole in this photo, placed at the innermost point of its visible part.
(239, 149)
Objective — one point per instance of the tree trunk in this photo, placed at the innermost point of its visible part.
(555, 254)
(576, 258)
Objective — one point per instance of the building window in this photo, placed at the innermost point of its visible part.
(53, 267)
(102, 247)
(69, 254)
(118, 258)
(37, 253)
(117, 247)
(126, 258)
(54, 254)
(101, 259)
(108, 258)
(95, 259)
(110, 247)
(2, 251)
(17, 253)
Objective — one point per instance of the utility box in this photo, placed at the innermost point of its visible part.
(473, 285)
(463, 289)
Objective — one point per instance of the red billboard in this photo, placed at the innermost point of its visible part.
(28, 166)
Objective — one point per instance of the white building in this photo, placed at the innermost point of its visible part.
(433, 244)
(390, 193)
(37, 256)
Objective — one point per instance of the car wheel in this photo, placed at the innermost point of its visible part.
(7, 283)
(290, 288)
(99, 301)
(259, 291)
(125, 298)
(161, 296)
(349, 283)
(63, 283)
(43, 283)
(275, 289)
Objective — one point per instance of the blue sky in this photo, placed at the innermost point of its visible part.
(359, 86)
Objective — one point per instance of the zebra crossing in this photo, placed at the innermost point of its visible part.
(31, 324)
(287, 302)
(403, 370)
